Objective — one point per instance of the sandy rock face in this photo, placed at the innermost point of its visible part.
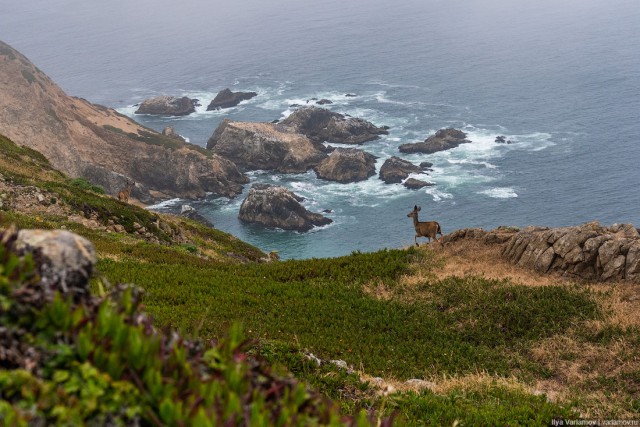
(347, 165)
(276, 207)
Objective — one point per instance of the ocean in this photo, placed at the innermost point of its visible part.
(559, 79)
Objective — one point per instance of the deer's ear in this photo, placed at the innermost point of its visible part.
(419, 208)
(415, 207)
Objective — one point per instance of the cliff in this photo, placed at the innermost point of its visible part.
(95, 142)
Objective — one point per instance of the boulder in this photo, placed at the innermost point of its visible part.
(395, 169)
(416, 184)
(347, 165)
(171, 133)
(265, 146)
(426, 165)
(321, 125)
(190, 212)
(227, 99)
(444, 139)
(324, 102)
(167, 106)
(276, 207)
(63, 260)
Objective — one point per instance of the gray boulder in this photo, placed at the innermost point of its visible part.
(321, 125)
(347, 165)
(395, 169)
(444, 139)
(167, 106)
(416, 184)
(227, 99)
(277, 207)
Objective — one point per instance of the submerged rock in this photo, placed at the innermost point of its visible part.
(277, 207)
(395, 169)
(347, 165)
(227, 99)
(321, 125)
(444, 139)
(416, 184)
(167, 106)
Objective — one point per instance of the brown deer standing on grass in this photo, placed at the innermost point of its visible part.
(428, 229)
(123, 195)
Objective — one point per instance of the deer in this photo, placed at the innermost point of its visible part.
(123, 195)
(428, 229)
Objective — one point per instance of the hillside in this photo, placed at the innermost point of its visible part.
(91, 141)
(430, 336)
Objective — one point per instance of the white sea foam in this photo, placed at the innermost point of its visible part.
(500, 193)
(166, 204)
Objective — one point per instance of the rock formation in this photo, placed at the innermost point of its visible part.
(395, 169)
(167, 106)
(589, 251)
(227, 99)
(321, 125)
(347, 165)
(277, 207)
(190, 212)
(83, 139)
(444, 139)
(416, 184)
(265, 146)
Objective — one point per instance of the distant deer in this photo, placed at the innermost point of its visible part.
(123, 195)
(428, 229)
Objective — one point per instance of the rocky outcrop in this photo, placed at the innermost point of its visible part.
(170, 132)
(395, 170)
(416, 184)
(321, 125)
(98, 143)
(277, 207)
(227, 99)
(347, 165)
(265, 146)
(444, 139)
(589, 251)
(167, 106)
(190, 212)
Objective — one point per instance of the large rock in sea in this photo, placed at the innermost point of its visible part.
(347, 165)
(395, 169)
(167, 106)
(444, 139)
(416, 184)
(265, 146)
(321, 125)
(227, 99)
(276, 207)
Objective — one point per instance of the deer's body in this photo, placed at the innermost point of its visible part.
(428, 229)
(123, 195)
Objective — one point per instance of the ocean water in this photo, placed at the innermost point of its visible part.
(560, 79)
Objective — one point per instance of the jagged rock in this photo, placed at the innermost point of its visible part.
(350, 95)
(395, 169)
(321, 125)
(264, 146)
(416, 184)
(227, 99)
(588, 251)
(347, 165)
(503, 140)
(324, 102)
(190, 212)
(277, 207)
(167, 106)
(426, 165)
(64, 260)
(444, 139)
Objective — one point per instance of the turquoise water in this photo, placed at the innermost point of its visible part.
(560, 80)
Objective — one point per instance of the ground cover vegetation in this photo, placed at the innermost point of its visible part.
(484, 351)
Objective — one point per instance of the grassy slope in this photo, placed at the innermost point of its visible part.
(475, 339)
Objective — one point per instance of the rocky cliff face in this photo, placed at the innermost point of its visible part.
(321, 125)
(265, 146)
(98, 143)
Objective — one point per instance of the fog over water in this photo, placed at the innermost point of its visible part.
(560, 79)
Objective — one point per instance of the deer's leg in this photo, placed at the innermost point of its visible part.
(415, 239)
